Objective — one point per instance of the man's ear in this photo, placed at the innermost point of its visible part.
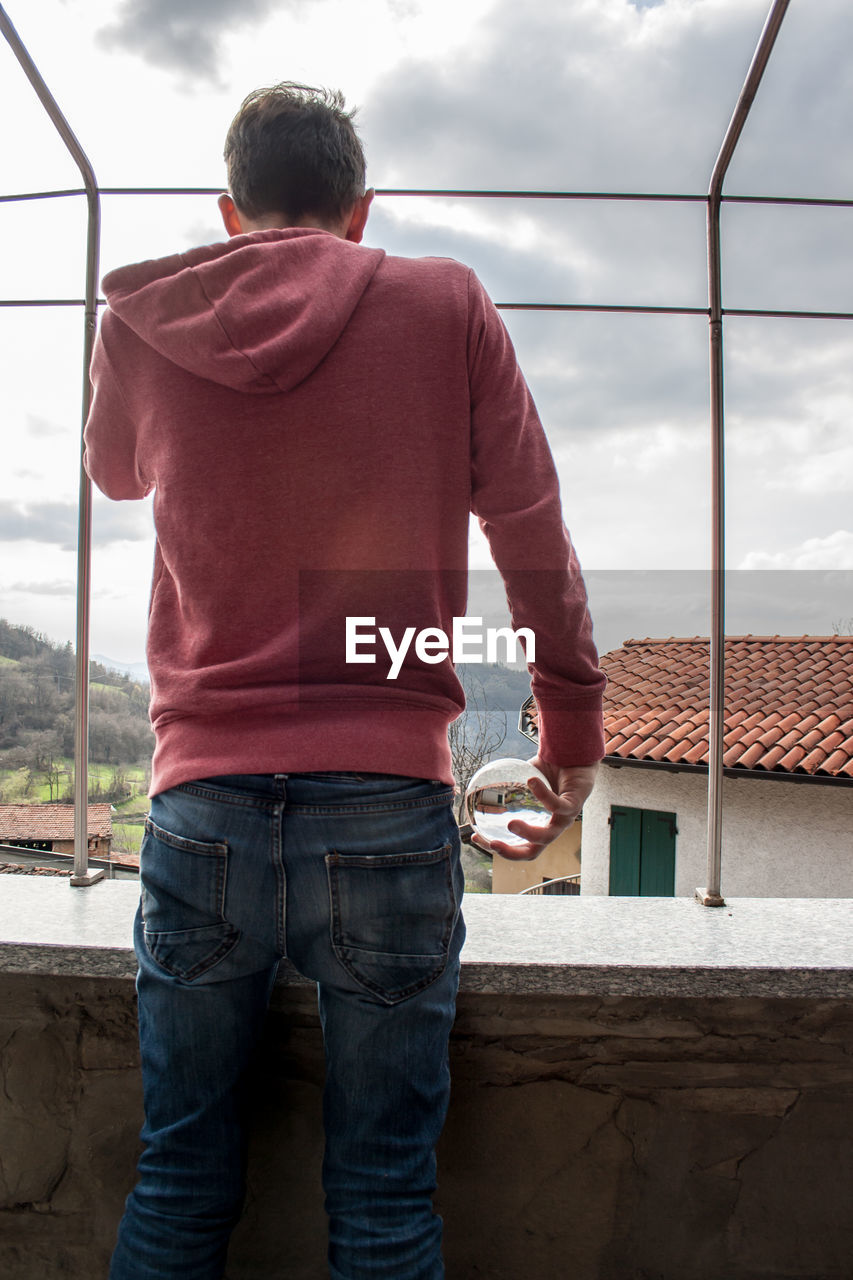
(230, 216)
(358, 218)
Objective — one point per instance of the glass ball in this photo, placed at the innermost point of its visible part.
(497, 793)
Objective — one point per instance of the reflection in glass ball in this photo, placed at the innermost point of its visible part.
(497, 793)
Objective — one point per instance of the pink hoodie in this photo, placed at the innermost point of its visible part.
(317, 419)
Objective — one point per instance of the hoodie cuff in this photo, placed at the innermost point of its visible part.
(571, 735)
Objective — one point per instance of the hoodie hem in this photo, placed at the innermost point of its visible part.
(412, 743)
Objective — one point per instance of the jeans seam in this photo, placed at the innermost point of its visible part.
(226, 797)
(391, 806)
(277, 854)
(225, 947)
(204, 848)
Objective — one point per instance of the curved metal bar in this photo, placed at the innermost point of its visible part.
(81, 874)
(711, 895)
(537, 889)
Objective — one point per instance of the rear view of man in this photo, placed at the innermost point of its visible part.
(316, 419)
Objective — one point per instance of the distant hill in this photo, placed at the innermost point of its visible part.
(136, 670)
(503, 690)
(37, 681)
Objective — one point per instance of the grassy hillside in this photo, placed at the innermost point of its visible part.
(37, 684)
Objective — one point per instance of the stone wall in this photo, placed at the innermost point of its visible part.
(591, 1138)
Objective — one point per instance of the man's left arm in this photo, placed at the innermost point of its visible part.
(515, 494)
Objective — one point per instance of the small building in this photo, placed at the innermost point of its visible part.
(787, 825)
(49, 828)
(548, 873)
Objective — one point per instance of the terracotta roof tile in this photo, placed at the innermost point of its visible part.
(788, 702)
(790, 739)
(50, 821)
(682, 730)
(786, 760)
(813, 760)
(18, 869)
(751, 757)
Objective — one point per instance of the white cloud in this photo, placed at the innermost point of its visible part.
(56, 523)
(57, 587)
(835, 551)
(179, 34)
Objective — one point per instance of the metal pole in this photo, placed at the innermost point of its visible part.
(710, 896)
(81, 874)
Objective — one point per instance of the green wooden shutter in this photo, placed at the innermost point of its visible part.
(625, 840)
(642, 852)
(657, 854)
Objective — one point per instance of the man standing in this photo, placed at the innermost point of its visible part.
(317, 419)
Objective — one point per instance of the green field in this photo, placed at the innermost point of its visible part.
(18, 787)
(127, 836)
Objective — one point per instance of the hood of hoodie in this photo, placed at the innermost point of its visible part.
(256, 313)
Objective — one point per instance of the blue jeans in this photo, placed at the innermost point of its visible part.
(357, 879)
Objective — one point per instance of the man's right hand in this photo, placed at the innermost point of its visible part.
(570, 786)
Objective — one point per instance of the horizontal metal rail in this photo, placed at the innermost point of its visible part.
(616, 308)
(504, 194)
(464, 193)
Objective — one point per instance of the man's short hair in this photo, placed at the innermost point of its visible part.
(293, 149)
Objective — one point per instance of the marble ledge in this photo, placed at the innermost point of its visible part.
(587, 945)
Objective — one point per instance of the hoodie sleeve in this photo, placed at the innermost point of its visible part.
(111, 454)
(516, 496)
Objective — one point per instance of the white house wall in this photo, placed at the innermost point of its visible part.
(780, 839)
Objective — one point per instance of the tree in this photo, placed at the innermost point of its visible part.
(475, 737)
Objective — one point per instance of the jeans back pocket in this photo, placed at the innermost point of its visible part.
(392, 918)
(183, 902)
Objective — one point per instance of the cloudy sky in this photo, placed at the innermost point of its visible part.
(586, 95)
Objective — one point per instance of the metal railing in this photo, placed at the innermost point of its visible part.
(81, 874)
(710, 895)
(543, 889)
